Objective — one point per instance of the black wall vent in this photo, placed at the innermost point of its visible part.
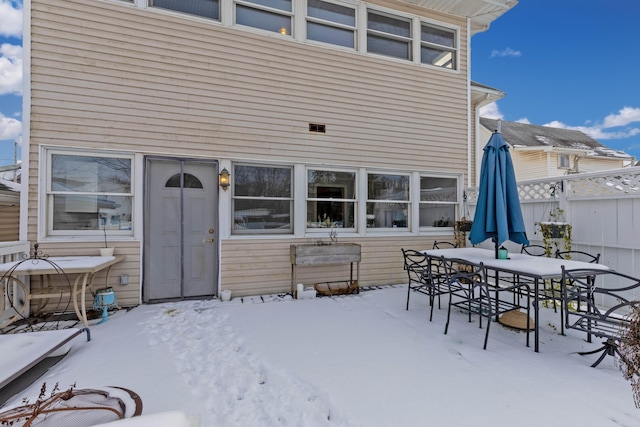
(315, 127)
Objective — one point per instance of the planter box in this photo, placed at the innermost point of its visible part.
(335, 253)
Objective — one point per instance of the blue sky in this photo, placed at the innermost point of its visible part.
(563, 63)
(566, 63)
(10, 79)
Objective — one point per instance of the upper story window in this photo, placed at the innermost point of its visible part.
(388, 203)
(331, 199)
(270, 15)
(331, 23)
(205, 8)
(338, 23)
(438, 201)
(88, 194)
(438, 46)
(262, 199)
(564, 161)
(389, 35)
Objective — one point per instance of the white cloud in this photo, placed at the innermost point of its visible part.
(10, 128)
(11, 18)
(507, 52)
(614, 126)
(491, 111)
(10, 69)
(524, 121)
(622, 118)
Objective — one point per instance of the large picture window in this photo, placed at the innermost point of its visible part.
(388, 203)
(331, 199)
(262, 199)
(438, 201)
(89, 194)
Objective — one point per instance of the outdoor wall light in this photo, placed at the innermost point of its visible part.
(224, 179)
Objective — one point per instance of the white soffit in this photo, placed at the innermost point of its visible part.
(481, 12)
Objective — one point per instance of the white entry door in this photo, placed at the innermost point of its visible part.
(181, 256)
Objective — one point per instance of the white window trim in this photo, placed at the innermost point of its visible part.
(366, 200)
(300, 186)
(392, 14)
(294, 197)
(456, 49)
(305, 19)
(247, 3)
(45, 212)
(458, 203)
(356, 201)
(568, 157)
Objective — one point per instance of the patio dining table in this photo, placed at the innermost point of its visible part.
(538, 269)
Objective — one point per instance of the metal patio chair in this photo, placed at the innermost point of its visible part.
(416, 265)
(426, 276)
(599, 302)
(470, 293)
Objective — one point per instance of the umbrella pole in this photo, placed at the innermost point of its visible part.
(495, 240)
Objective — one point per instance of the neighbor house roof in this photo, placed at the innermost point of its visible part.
(5, 188)
(524, 136)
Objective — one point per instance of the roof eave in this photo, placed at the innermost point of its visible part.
(481, 13)
(483, 95)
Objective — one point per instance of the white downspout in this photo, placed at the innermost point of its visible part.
(26, 121)
(469, 142)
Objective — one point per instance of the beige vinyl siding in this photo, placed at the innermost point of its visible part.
(9, 217)
(529, 164)
(594, 164)
(250, 269)
(110, 76)
(118, 76)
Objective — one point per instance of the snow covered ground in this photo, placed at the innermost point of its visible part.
(356, 360)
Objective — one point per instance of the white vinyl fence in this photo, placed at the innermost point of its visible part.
(603, 209)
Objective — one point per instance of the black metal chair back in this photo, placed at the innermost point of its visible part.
(416, 266)
(444, 245)
(578, 256)
(533, 250)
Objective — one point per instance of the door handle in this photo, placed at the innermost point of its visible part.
(209, 240)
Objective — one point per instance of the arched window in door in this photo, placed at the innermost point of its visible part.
(190, 181)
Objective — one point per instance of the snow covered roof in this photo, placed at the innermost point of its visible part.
(532, 136)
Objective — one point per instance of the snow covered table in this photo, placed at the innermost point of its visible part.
(85, 267)
(536, 268)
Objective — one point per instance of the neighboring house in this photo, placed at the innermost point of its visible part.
(9, 213)
(542, 151)
(325, 114)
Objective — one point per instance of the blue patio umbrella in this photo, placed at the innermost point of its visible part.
(498, 214)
